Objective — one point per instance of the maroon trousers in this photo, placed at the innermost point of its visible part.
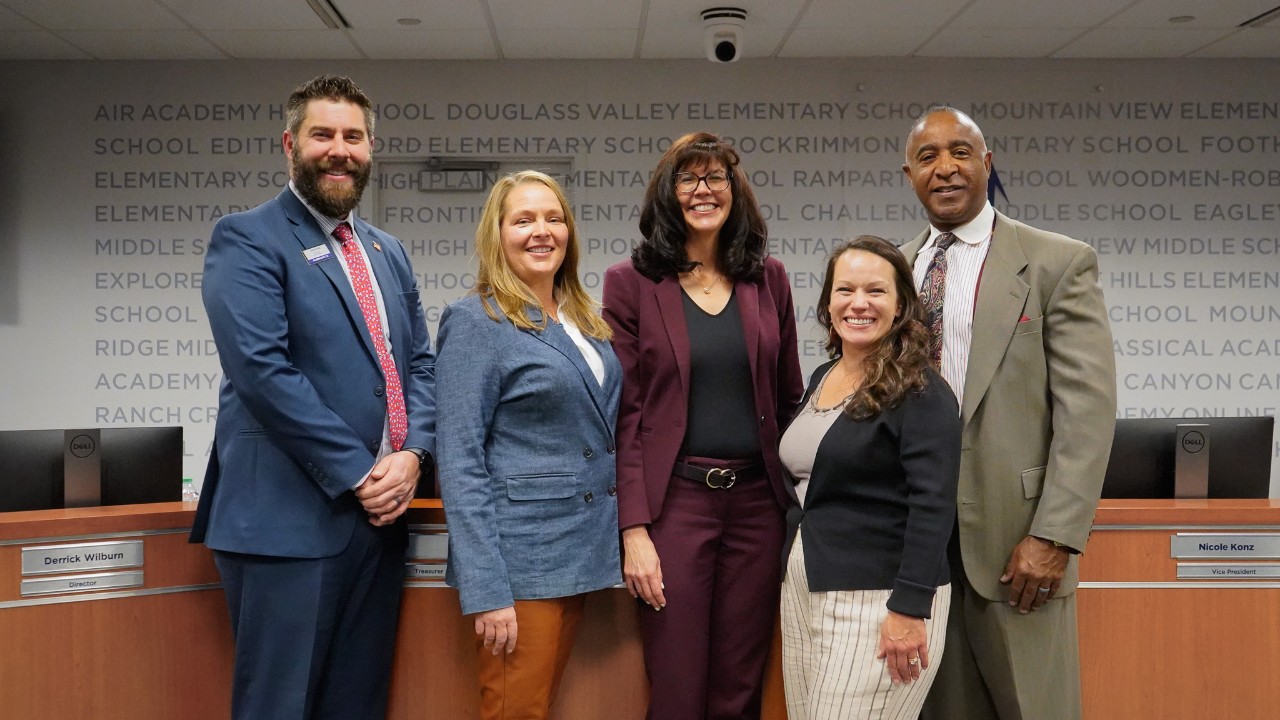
(719, 551)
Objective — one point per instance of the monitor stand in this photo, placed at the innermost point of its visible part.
(82, 471)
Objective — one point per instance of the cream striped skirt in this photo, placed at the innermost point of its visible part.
(829, 641)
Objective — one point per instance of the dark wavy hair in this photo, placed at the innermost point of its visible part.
(744, 237)
(898, 364)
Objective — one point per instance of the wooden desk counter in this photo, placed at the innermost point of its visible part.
(1154, 646)
(164, 650)
(161, 650)
(435, 673)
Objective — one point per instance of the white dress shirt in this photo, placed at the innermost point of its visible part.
(964, 268)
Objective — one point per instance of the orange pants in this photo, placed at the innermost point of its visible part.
(521, 685)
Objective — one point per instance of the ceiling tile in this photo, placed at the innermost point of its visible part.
(10, 20)
(425, 44)
(246, 14)
(616, 43)
(854, 42)
(657, 29)
(1021, 14)
(686, 42)
(998, 42)
(1134, 42)
(38, 45)
(435, 14)
(674, 29)
(1207, 13)
(901, 13)
(517, 14)
(97, 15)
(144, 44)
(1245, 42)
(284, 44)
(666, 14)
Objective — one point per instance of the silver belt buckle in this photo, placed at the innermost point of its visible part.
(720, 478)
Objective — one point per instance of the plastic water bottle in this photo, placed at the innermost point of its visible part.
(189, 493)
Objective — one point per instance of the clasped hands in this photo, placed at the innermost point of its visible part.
(1034, 572)
(390, 486)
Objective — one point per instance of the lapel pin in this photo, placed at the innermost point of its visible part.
(376, 246)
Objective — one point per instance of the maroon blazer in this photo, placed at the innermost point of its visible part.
(651, 340)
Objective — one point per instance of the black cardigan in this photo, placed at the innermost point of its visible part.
(881, 501)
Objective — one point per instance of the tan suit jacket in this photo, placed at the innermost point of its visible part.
(1039, 401)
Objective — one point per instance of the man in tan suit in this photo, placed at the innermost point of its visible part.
(1026, 346)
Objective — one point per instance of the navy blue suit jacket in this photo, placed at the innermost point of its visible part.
(302, 404)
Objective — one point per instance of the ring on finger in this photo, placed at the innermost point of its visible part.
(1042, 590)
(913, 661)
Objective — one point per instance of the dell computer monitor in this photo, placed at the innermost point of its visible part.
(141, 465)
(31, 469)
(133, 465)
(1142, 457)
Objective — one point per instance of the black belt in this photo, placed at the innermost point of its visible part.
(718, 478)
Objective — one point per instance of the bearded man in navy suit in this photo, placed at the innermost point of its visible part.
(326, 418)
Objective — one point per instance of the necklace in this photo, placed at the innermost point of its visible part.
(697, 277)
(838, 385)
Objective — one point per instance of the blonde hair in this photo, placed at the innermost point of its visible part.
(498, 285)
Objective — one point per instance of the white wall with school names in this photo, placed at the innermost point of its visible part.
(118, 171)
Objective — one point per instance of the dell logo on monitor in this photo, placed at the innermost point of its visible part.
(82, 446)
(1193, 442)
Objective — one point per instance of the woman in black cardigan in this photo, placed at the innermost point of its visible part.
(875, 453)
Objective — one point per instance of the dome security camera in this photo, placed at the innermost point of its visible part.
(722, 33)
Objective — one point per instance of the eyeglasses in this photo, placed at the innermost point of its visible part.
(687, 182)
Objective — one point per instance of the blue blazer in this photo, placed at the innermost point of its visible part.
(301, 408)
(526, 460)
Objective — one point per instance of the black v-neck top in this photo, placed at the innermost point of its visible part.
(722, 413)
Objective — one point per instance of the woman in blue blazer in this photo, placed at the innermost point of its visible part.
(528, 397)
(875, 451)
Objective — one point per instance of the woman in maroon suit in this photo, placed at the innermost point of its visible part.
(704, 327)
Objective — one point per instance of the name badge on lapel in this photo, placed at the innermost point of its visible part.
(317, 254)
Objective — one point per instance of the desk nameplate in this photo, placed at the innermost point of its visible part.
(424, 571)
(431, 546)
(1234, 546)
(78, 557)
(1221, 571)
(81, 583)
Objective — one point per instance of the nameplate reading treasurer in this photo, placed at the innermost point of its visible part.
(424, 572)
(1225, 545)
(78, 557)
(431, 546)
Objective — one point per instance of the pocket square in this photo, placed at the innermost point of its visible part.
(1023, 319)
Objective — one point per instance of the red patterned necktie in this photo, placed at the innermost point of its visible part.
(397, 421)
(932, 293)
